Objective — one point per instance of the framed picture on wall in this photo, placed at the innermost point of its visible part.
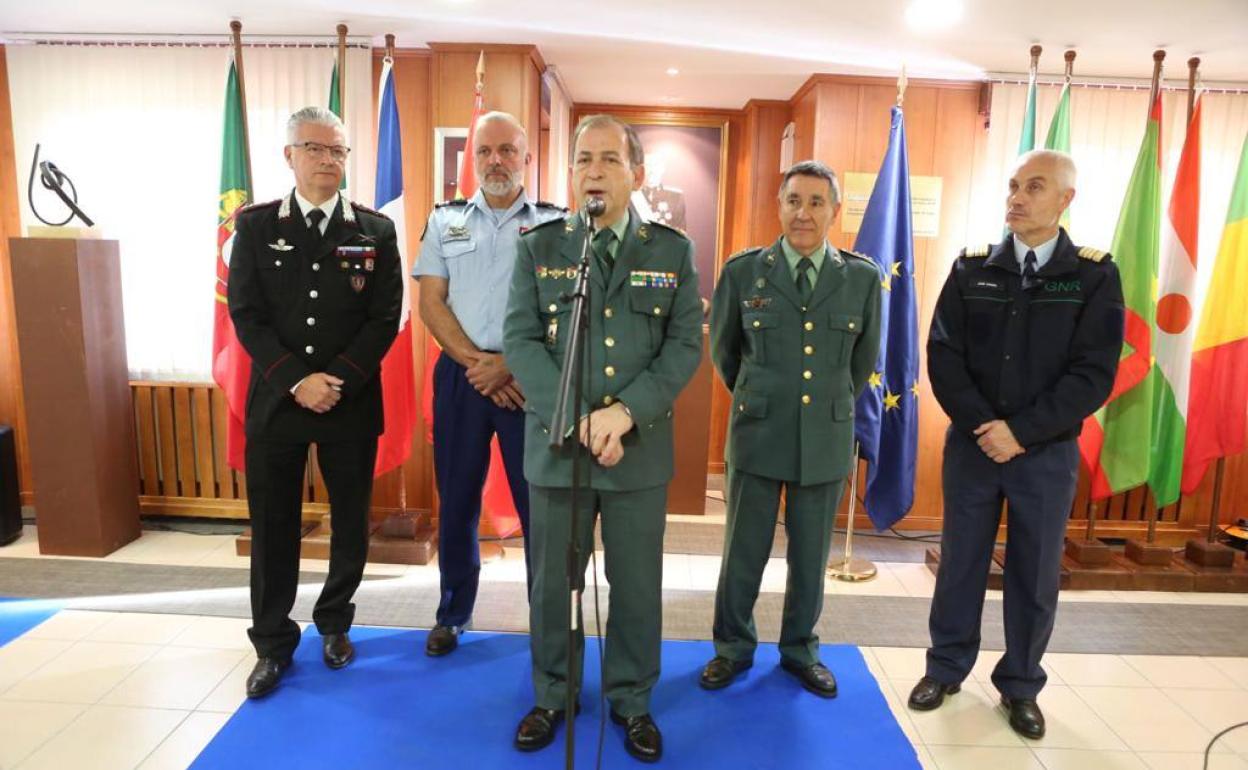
(686, 181)
(448, 153)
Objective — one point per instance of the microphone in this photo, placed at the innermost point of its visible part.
(52, 178)
(595, 206)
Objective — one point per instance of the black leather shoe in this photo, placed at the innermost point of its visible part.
(816, 677)
(929, 694)
(641, 736)
(720, 672)
(442, 640)
(537, 729)
(337, 650)
(265, 676)
(1025, 716)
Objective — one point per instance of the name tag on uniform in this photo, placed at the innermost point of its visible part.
(455, 233)
(652, 279)
(982, 284)
(554, 273)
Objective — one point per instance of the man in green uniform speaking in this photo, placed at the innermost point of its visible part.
(644, 344)
(795, 329)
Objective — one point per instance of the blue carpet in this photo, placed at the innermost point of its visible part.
(396, 707)
(17, 616)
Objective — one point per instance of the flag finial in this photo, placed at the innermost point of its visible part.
(481, 69)
(901, 86)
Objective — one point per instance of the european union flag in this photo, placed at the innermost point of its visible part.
(887, 422)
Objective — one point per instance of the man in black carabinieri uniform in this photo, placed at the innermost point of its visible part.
(315, 291)
(1024, 345)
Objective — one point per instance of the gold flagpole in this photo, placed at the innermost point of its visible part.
(847, 568)
(342, 69)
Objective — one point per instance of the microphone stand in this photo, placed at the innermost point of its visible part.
(571, 385)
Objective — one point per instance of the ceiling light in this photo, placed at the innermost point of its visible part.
(672, 72)
(930, 15)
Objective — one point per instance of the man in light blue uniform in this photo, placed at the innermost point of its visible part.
(466, 257)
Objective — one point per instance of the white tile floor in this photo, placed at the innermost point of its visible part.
(81, 690)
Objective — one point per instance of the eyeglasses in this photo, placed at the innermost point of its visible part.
(318, 150)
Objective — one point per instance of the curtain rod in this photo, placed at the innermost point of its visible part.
(182, 41)
(1014, 80)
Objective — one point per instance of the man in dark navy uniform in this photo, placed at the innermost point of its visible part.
(315, 291)
(1024, 345)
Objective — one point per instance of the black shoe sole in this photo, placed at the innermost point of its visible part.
(527, 747)
(335, 665)
(917, 706)
(262, 693)
(440, 652)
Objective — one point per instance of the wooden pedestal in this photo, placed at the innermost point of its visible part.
(1149, 554)
(1206, 554)
(76, 388)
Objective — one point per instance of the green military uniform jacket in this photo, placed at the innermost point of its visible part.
(794, 372)
(645, 342)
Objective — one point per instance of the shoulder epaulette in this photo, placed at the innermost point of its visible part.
(540, 225)
(255, 206)
(976, 252)
(456, 202)
(1091, 254)
(744, 253)
(856, 255)
(549, 205)
(676, 230)
(368, 210)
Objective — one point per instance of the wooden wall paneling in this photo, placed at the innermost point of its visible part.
(149, 472)
(185, 442)
(205, 472)
(805, 103)
(167, 443)
(227, 479)
(12, 410)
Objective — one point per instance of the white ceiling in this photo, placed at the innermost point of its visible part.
(727, 51)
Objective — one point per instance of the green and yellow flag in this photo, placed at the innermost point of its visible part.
(1059, 134)
(1115, 440)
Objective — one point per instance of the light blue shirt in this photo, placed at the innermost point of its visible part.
(474, 248)
(1043, 252)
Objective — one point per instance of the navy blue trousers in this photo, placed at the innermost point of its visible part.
(464, 422)
(1039, 487)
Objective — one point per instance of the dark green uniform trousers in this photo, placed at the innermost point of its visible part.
(632, 539)
(810, 512)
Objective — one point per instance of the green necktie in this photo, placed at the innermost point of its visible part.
(804, 287)
(601, 245)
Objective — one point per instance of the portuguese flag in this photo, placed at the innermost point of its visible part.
(1115, 440)
(231, 366)
(1217, 406)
